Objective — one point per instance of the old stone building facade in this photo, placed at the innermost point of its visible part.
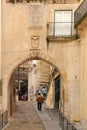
(51, 31)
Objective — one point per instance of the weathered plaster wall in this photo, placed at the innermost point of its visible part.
(83, 75)
(68, 54)
(18, 45)
(17, 33)
(11, 98)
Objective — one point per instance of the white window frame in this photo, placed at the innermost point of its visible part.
(63, 23)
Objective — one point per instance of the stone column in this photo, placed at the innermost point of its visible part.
(31, 81)
(5, 95)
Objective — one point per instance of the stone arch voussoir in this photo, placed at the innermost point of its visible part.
(31, 56)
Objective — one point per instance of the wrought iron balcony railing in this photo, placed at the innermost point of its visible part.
(80, 13)
(3, 119)
(64, 123)
(61, 29)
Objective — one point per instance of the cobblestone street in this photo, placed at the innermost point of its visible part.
(27, 117)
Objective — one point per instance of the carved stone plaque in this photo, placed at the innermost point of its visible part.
(35, 41)
(35, 14)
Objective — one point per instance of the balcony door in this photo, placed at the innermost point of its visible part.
(62, 24)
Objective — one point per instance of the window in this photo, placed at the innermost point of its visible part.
(62, 24)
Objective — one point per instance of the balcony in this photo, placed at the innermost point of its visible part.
(61, 31)
(80, 13)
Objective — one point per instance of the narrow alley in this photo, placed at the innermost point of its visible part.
(27, 117)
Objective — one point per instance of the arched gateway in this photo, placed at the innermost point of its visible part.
(29, 56)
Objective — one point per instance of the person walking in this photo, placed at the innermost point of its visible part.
(44, 92)
(39, 100)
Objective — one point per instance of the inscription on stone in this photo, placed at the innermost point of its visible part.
(35, 15)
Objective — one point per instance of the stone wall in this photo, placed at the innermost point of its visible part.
(11, 97)
(50, 96)
(24, 37)
(82, 31)
(43, 72)
(18, 37)
(68, 53)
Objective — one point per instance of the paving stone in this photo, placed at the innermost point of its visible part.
(25, 118)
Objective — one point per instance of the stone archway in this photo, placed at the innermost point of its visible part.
(30, 56)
